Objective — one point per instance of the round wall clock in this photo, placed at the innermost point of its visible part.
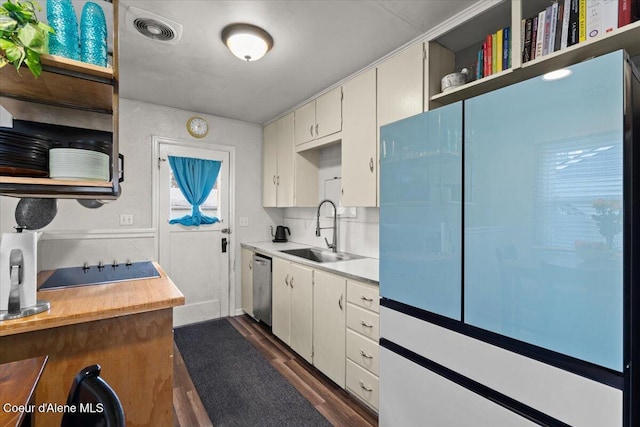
(197, 127)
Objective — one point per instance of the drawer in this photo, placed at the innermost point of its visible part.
(362, 383)
(363, 295)
(363, 321)
(363, 351)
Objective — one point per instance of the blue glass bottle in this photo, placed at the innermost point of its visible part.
(93, 35)
(62, 17)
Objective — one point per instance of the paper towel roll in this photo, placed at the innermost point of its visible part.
(27, 242)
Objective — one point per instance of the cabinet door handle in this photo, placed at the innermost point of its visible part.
(365, 355)
(367, 299)
(250, 264)
(316, 129)
(278, 180)
(365, 324)
(274, 179)
(371, 164)
(311, 130)
(340, 302)
(291, 282)
(364, 387)
(286, 280)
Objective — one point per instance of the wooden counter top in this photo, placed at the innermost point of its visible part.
(95, 302)
(18, 382)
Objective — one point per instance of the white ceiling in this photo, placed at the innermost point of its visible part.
(316, 44)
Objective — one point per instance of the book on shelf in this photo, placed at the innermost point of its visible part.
(574, 17)
(547, 30)
(506, 48)
(582, 20)
(624, 13)
(552, 27)
(499, 53)
(540, 36)
(494, 54)
(565, 24)
(526, 49)
(558, 26)
(534, 36)
(593, 20)
(609, 15)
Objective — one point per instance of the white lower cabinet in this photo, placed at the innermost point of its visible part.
(292, 299)
(332, 322)
(329, 307)
(362, 383)
(363, 334)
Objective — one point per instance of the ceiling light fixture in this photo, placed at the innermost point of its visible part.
(247, 41)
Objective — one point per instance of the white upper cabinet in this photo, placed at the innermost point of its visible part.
(270, 165)
(400, 85)
(305, 123)
(319, 118)
(278, 163)
(286, 158)
(359, 136)
(329, 113)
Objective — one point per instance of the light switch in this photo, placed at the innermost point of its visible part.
(244, 221)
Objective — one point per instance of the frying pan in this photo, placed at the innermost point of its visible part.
(35, 213)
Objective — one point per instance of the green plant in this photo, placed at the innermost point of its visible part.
(22, 35)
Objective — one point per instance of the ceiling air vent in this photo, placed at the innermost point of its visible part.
(153, 26)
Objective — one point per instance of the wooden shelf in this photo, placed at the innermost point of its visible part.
(90, 71)
(474, 88)
(63, 83)
(627, 38)
(58, 188)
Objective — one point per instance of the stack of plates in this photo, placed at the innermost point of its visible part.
(78, 164)
(23, 155)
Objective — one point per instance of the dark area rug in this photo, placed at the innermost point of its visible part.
(237, 385)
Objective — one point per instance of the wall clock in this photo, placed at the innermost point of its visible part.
(197, 127)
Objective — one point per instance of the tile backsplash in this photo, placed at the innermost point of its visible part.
(357, 235)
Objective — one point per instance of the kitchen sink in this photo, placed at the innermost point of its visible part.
(319, 255)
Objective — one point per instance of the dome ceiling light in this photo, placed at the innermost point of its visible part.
(247, 41)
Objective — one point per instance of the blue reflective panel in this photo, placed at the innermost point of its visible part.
(543, 240)
(420, 210)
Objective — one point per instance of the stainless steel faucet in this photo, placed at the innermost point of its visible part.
(334, 245)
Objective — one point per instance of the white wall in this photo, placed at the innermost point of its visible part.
(78, 234)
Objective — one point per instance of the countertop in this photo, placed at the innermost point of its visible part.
(363, 269)
(95, 302)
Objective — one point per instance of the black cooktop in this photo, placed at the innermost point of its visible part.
(94, 275)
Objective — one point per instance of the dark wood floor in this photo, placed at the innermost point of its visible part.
(330, 400)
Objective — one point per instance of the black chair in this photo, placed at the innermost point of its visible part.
(97, 405)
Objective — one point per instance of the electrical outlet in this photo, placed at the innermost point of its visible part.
(244, 221)
(126, 219)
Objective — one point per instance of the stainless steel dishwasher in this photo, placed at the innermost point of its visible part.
(262, 288)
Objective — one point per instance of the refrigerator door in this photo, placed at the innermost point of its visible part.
(543, 223)
(420, 210)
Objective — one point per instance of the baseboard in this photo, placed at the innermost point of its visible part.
(194, 313)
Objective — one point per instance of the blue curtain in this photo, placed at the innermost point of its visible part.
(196, 178)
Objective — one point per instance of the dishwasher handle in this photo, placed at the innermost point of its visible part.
(259, 261)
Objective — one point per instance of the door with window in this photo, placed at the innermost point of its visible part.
(193, 241)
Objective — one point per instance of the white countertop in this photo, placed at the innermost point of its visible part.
(363, 269)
